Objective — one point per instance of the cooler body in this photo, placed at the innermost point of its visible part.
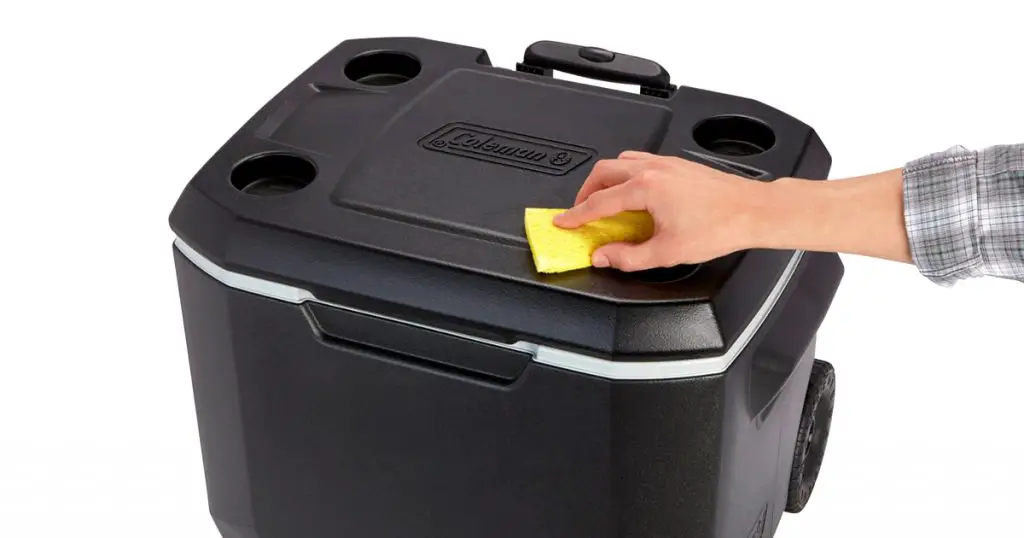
(305, 433)
(373, 354)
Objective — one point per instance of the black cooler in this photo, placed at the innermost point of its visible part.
(374, 356)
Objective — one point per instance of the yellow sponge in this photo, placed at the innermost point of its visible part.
(557, 250)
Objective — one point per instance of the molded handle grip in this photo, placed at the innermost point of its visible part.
(401, 341)
(543, 57)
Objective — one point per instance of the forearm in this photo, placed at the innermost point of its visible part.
(955, 214)
(861, 215)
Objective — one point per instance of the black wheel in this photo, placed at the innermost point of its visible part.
(815, 423)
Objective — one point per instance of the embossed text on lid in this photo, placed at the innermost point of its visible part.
(507, 148)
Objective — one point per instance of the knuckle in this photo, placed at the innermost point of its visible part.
(602, 165)
(645, 178)
(677, 161)
(650, 180)
(631, 259)
(664, 163)
(683, 166)
(597, 197)
(624, 263)
(596, 201)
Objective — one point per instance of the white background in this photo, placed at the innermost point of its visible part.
(108, 109)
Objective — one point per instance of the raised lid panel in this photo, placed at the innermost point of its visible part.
(478, 147)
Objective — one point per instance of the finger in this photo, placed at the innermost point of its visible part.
(630, 256)
(637, 155)
(607, 173)
(604, 203)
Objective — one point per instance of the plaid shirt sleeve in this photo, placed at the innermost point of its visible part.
(964, 213)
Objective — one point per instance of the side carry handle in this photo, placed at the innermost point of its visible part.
(544, 57)
(425, 347)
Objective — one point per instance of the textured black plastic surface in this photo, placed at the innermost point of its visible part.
(423, 158)
(316, 437)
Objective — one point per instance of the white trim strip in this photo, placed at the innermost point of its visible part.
(550, 356)
(238, 281)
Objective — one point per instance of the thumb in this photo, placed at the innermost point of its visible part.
(629, 256)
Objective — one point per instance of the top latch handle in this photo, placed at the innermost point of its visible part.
(543, 57)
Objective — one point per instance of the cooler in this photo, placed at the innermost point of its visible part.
(373, 354)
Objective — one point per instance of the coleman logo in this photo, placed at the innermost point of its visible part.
(510, 149)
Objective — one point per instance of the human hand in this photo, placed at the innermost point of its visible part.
(699, 213)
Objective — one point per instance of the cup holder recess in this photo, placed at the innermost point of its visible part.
(273, 174)
(734, 136)
(382, 68)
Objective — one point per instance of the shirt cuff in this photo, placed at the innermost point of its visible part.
(940, 204)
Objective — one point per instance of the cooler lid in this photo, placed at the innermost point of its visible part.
(395, 172)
